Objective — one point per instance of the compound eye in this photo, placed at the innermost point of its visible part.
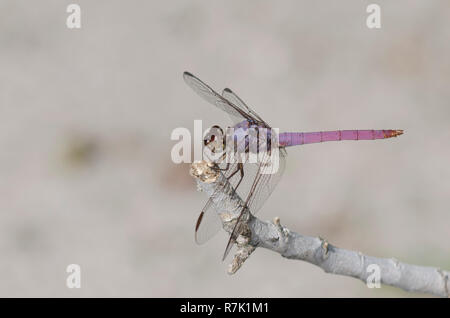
(209, 140)
(211, 134)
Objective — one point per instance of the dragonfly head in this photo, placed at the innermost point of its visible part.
(214, 139)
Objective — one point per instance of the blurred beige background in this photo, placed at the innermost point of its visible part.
(86, 117)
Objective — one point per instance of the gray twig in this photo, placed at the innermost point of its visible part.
(314, 250)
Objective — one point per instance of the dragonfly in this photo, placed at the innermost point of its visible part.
(248, 179)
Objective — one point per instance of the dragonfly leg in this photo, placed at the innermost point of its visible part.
(241, 169)
(234, 172)
(223, 169)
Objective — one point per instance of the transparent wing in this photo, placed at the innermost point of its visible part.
(269, 175)
(208, 222)
(269, 169)
(258, 181)
(258, 189)
(272, 174)
(236, 100)
(257, 184)
(211, 96)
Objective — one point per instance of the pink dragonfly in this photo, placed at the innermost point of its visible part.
(247, 179)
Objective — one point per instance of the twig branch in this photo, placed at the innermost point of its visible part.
(317, 251)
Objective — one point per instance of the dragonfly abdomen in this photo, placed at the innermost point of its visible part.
(302, 138)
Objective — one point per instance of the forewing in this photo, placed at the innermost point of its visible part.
(237, 101)
(211, 96)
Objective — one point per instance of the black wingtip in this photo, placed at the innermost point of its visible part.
(197, 225)
(227, 90)
(187, 77)
(187, 74)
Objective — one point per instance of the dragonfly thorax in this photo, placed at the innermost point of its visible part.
(250, 137)
(244, 137)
